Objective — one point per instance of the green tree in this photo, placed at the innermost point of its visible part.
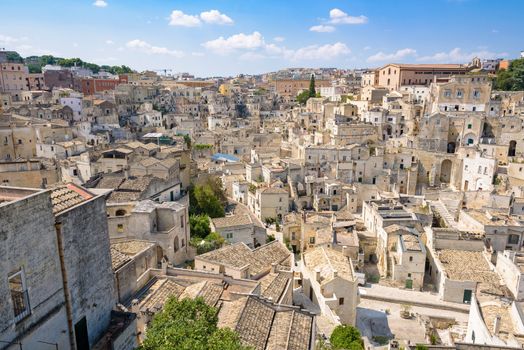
(208, 202)
(34, 68)
(14, 57)
(199, 226)
(511, 79)
(208, 198)
(225, 338)
(189, 324)
(303, 97)
(187, 140)
(312, 91)
(210, 242)
(346, 337)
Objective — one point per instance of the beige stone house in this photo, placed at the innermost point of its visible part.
(409, 261)
(328, 279)
(269, 202)
(239, 228)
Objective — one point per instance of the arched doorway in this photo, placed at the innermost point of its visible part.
(445, 171)
(512, 148)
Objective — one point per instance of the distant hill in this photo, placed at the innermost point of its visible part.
(35, 63)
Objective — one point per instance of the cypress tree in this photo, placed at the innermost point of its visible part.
(312, 91)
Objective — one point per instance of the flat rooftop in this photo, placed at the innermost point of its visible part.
(9, 194)
(462, 265)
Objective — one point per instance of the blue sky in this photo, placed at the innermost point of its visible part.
(227, 37)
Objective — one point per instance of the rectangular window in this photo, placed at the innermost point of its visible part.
(229, 235)
(120, 228)
(19, 295)
(340, 301)
(311, 240)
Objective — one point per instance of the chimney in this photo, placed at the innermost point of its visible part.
(317, 275)
(273, 267)
(164, 266)
(496, 325)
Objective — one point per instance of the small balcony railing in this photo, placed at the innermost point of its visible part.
(21, 305)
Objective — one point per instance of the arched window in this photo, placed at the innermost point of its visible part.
(120, 212)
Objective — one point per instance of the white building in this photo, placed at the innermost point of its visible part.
(510, 266)
(477, 173)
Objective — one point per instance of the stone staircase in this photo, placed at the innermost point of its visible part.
(445, 214)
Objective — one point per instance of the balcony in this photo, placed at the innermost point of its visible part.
(21, 306)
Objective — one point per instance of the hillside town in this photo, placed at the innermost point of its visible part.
(292, 203)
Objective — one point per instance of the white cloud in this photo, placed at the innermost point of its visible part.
(279, 39)
(324, 52)
(322, 29)
(338, 16)
(456, 55)
(7, 40)
(215, 17)
(397, 55)
(100, 3)
(234, 42)
(149, 49)
(253, 47)
(179, 18)
(109, 42)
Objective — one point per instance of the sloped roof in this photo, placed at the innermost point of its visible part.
(233, 220)
(239, 255)
(266, 326)
(67, 196)
(328, 260)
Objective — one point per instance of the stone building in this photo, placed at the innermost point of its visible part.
(393, 76)
(461, 93)
(61, 287)
(409, 261)
(510, 266)
(328, 279)
(165, 223)
(31, 287)
(240, 261)
(239, 228)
